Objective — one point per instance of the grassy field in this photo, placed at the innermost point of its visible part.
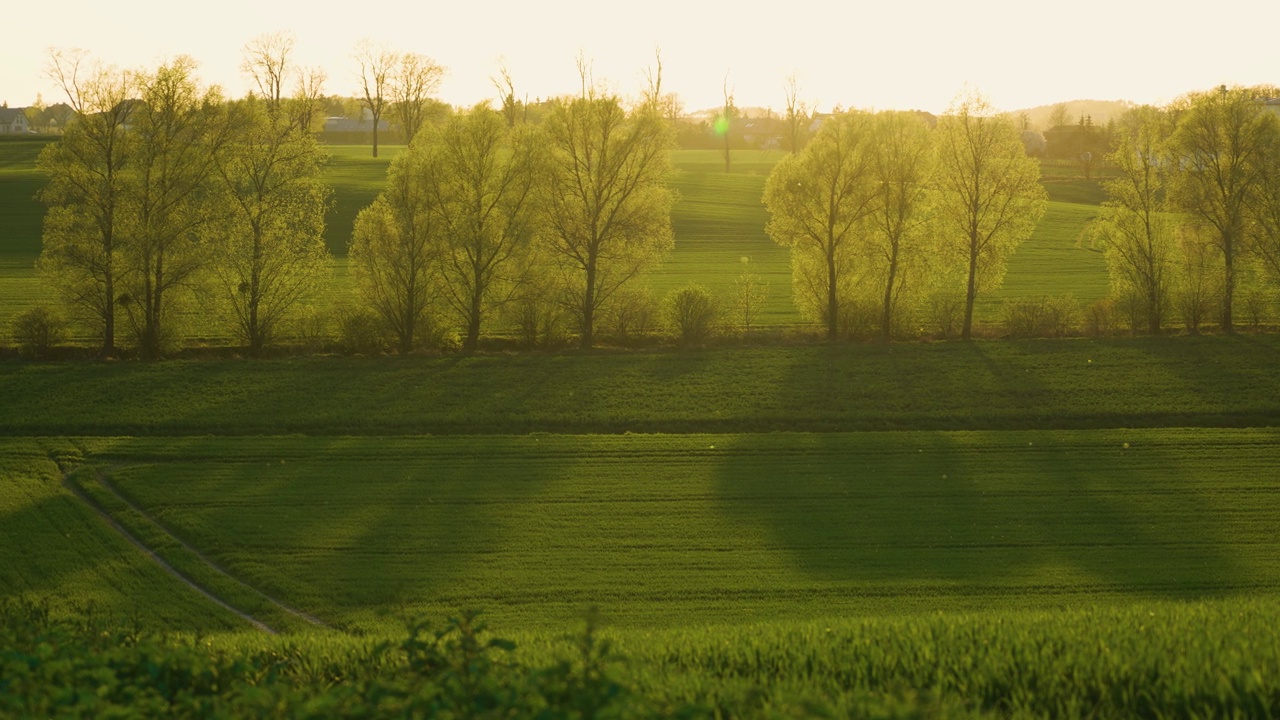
(665, 531)
(990, 529)
(1209, 381)
(52, 546)
(718, 220)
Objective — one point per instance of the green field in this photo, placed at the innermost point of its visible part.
(1052, 528)
(665, 531)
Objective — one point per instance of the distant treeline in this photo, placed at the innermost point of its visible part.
(168, 201)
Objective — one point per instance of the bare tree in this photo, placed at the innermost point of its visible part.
(798, 114)
(413, 81)
(725, 121)
(308, 97)
(266, 61)
(377, 65)
(506, 88)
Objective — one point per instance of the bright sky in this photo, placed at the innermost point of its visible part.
(898, 54)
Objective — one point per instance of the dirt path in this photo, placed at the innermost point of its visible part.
(76, 490)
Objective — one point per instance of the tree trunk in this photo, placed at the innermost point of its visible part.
(588, 307)
(472, 340)
(1153, 311)
(886, 320)
(375, 135)
(970, 295)
(1229, 285)
(833, 298)
(109, 315)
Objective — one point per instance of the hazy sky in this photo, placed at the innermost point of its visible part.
(899, 54)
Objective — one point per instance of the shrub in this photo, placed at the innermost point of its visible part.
(1044, 316)
(1099, 318)
(37, 330)
(692, 313)
(361, 332)
(859, 318)
(944, 313)
(632, 313)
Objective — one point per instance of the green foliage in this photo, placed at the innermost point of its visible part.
(693, 313)
(1042, 317)
(605, 203)
(989, 196)
(361, 332)
(38, 330)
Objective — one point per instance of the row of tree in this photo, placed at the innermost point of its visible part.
(161, 185)
(884, 209)
(1194, 208)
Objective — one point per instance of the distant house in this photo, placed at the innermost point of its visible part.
(1272, 104)
(341, 124)
(13, 121)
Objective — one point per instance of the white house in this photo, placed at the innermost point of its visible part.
(13, 121)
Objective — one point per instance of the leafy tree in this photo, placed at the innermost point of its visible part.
(84, 238)
(606, 204)
(989, 195)
(396, 246)
(484, 179)
(903, 164)
(273, 255)
(1134, 226)
(1220, 148)
(180, 129)
(818, 201)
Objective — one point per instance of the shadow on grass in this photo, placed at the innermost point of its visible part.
(338, 527)
(999, 513)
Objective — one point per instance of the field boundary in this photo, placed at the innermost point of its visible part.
(79, 492)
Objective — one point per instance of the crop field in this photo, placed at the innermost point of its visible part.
(1163, 382)
(53, 546)
(1060, 528)
(661, 531)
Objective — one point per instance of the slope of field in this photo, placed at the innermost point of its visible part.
(53, 548)
(1213, 381)
(663, 531)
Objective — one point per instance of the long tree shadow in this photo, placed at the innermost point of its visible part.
(1010, 514)
(343, 528)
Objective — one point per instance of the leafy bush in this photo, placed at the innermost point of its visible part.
(1044, 316)
(859, 318)
(633, 313)
(944, 313)
(38, 330)
(693, 314)
(1099, 318)
(90, 667)
(361, 331)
